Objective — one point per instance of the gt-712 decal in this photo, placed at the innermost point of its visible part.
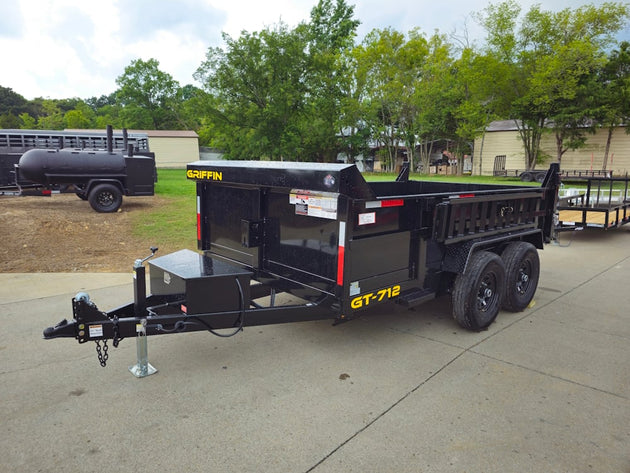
(381, 295)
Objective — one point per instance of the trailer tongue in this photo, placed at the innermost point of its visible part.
(336, 244)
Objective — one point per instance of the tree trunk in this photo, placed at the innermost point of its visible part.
(559, 143)
(531, 136)
(607, 149)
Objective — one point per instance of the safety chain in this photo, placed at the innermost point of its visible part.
(102, 354)
(116, 339)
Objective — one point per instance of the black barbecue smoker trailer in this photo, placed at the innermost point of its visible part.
(101, 171)
(336, 243)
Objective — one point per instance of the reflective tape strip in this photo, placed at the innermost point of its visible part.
(341, 252)
(377, 204)
(198, 218)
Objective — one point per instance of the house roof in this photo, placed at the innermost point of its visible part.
(502, 125)
(168, 133)
(508, 125)
(149, 133)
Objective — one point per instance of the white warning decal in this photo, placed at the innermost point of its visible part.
(314, 203)
(96, 331)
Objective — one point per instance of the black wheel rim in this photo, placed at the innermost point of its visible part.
(487, 295)
(105, 199)
(523, 277)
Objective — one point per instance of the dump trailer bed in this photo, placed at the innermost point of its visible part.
(338, 245)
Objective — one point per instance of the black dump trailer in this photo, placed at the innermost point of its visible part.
(335, 242)
(44, 166)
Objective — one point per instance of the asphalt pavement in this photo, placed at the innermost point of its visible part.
(545, 390)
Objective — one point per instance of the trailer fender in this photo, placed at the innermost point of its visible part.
(457, 257)
(95, 182)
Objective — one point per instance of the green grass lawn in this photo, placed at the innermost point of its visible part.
(173, 223)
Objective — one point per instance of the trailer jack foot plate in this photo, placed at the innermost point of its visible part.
(140, 370)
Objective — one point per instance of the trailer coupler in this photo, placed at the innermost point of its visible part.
(62, 329)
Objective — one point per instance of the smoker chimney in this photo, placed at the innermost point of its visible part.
(110, 139)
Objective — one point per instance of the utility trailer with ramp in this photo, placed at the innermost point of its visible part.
(594, 202)
(337, 244)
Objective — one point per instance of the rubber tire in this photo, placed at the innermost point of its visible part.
(473, 307)
(527, 177)
(105, 198)
(522, 272)
(540, 177)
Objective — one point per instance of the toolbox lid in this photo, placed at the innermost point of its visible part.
(187, 264)
(326, 177)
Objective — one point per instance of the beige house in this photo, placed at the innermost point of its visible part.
(172, 148)
(502, 138)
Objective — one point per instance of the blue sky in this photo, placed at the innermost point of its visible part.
(77, 48)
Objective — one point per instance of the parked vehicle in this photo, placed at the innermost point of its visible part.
(35, 166)
(323, 234)
(594, 202)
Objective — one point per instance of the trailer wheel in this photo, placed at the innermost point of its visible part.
(527, 177)
(477, 292)
(522, 270)
(105, 198)
(540, 177)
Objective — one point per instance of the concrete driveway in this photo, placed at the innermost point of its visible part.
(545, 390)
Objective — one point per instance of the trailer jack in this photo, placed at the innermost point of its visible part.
(142, 368)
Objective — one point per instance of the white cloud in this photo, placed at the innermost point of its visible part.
(254, 15)
(77, 48)
(11, 20)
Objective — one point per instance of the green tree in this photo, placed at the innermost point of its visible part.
(277, 93)
(95, 103)
(80, 117)
(548, 62)
(614, 98)
(354, 132)
(437, 98)
(413, 75)
(381, 67)
(148, 96)
(11, 102)
(257, 93)
(409, 91)
(330, 36)
(52, 116)
(12, 105)
(475, 85)
(27, 121)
